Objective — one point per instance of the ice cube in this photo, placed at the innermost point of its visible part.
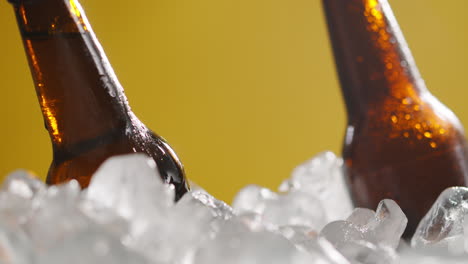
(253, 222)
(105, 217)
(295, 208)
(442, 226)
(252, 198)
(131, 185)
(384, 227)
(366, 237)
(23, 184)
(342, 232)
(352, 242)
(323, 176)
(15, 209)
(56, 216)
(388, 224)
(219, 208)
(306, 239)
(298, 235)
(174, 236)
(360, 217)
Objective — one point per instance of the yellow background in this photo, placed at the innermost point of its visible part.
(243, 90)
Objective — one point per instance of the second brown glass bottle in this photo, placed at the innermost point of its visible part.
(401, 142)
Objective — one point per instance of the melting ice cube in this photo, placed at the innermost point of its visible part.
(322, 176)
(442, 226)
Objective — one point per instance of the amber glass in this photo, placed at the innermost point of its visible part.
(401, 142)
(84, 106)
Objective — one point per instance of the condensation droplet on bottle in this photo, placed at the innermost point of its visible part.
(428, 134)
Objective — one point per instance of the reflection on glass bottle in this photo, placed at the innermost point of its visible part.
(83, 104)
(401, 142)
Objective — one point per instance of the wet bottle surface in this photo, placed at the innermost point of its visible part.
(84, 107)
(401, 142)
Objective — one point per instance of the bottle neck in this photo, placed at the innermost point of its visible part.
(374, 63)
(78, 92)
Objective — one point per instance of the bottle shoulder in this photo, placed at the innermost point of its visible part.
(423, 113)
(407, 126)
(81, 161)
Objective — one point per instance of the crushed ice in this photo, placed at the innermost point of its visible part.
(127, 215)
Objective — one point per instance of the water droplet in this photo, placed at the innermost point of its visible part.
(394, 119)
(428, 134)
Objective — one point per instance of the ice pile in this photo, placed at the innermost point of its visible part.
(127, 215)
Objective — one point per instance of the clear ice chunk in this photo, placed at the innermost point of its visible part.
(56, 216)
(295, 208)
(15, 209)
(252, 198)
(253, 222)
(361, 216)
(323, 176)
(173, 236)
(298, 235)
(105, 217)
(442, 226)
(131, 185)
(306, 239)
(219, 208)
(23, 184)
(388, 224)
(339, 233)
(366, 237)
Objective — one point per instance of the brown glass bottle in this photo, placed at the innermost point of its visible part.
(401, 142)
(83, 104)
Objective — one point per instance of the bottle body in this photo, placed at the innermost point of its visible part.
(401, 142)
(407, 157)
(84, 106)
